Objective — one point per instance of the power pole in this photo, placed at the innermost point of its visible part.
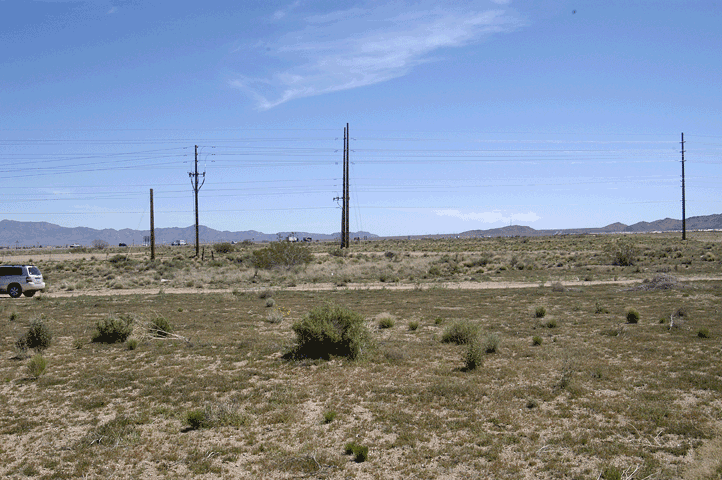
(684, 218)
(346, 195)
(344, 208)
(196, 187)
(152, 228)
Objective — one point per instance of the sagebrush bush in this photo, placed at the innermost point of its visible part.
(132, 344)
(386, 322)
(330, 330)
(632, 316)
(474, 355)
(540, 312)
(196, 419)
(224, 247)
(282, 254)
(270, 302)
(703, 332)
(329, 416)
(460, 333)
(413, 325)
(38, 337)
(536, 340)
(360, 453)
(113, 329)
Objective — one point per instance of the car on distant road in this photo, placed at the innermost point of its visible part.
(177, 243)
(16, 280)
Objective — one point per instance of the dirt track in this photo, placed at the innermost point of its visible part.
(319, 287)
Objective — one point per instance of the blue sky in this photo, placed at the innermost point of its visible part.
(463, 115)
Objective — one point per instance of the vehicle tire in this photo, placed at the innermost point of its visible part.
(29, 293)
(14, 290)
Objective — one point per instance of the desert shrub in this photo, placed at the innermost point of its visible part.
(38, 337)
(474, 355)
(632, 316)
(113, 329)
(330, 330)
(540, 312)
(386, 322)
(265, 294)
(159, 326)
(611, 473)
(78, 343)
(100, 244)
(703, 333)
(557, 287)
(275, 316)
(360, 453)
(132, 344)
(224, 247)
(329, 416)
(599, 308)
(438, 321)
(551, 323)
(196, 419)
(460, 333)
(13, 316)
(36, 366)
(281, 255)
(414, 325)
(270, 302)
(536, 340)
(623, 252)
(491, 343)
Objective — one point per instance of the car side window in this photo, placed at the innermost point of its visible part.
(10, 271)
(34, 271)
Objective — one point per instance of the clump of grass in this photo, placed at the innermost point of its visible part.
(330, 330)
(474, 355)
(413, 325)
(265, 294)
(270, 302)
(491, 343)
(632, 316)
(329, 416)
(13, 316)
(536, 340)
(599, 308)
(78, 343)
(220, 414)
(360, 453)
(551, 323)
(386, 322)
(611, 473)
(438, 321)
(540, 312)
(160, 327)
(113, 329)
(460, 333)
(36, 366)
(196, 419)
(132, 344)
(703, 333)
(557, 287)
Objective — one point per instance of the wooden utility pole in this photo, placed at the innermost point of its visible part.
(346, 189)
(684, 217)
(343, 192)
(196, 187)
(152, 228)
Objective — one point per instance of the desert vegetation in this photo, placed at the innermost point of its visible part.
(538, 358)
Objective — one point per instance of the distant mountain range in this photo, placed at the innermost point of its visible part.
(27, 234)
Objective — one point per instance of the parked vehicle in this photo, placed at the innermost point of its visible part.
(17, 280)
(177, 243)
(122, 245)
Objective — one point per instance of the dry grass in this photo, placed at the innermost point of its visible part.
(578, 403)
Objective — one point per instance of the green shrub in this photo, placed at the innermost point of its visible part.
(632, 316)
(551, 323)
(611, 473)
(270, 302)
(38, 336)
(438, 321)
(330, 330)
(623, 252)
(460, 333)
(223, 247)
(540, 312)
(132, 344)
(113, 329)
(36, 366)
(474, 355)
(196, 419)
(536, 340)
(13, 316)
(703, 333)
(329, 416)
(491, 343)
(359, 452)
(282, 254)
(160, 327)
(414, 325)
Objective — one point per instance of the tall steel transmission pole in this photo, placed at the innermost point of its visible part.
(196, 187)
(346, 195)
(684, 217)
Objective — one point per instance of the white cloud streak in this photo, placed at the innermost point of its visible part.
(358, 47)
(495, 216)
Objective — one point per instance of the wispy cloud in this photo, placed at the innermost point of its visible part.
(282, 12)
(357, 47)
(495, 216)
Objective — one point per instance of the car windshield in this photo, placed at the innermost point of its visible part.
(34, 271)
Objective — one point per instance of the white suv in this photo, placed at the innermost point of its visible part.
(17, 280)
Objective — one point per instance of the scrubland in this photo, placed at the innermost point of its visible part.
(544, 358)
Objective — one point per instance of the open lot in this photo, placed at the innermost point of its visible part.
(571, 390)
